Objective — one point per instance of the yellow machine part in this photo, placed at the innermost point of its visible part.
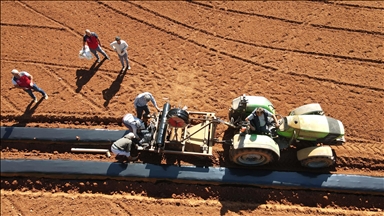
(255, 141)
(202, 137)
(314, 151)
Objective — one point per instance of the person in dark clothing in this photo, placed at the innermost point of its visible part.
(123, 146)
(259, 120)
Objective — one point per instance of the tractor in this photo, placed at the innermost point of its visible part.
(178, 131)
(306, 125)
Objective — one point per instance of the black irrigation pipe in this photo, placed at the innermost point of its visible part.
(96, 170)
(49, 135)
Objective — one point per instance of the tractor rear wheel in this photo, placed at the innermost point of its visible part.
(251, 156)
(317, 162)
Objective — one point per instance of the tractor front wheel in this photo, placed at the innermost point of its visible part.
(251, 156)
(318, 162)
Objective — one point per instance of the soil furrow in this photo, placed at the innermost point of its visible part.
(137, 204)
(298, 22)
(201, 55)
(192, 28)
(28, 7)
(247, 59)
(32, 26)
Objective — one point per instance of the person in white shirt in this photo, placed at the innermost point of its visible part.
(134, 124)
(120, 46)
(140, 104)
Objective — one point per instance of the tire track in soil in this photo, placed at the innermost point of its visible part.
(364, 164)
(272, 68)
(224, 38)
(364, 148)
(182, 191)
(353, 5)
(124, 206)
(86, 118)
(253, 44)
(55, 65)
(291, 73)
(9, 101)
(138, 200)
(341, 83)
(59, 23)
(26, 6)
(15, 203)
(301, 75)
(92, 102)
(184, 38)
(5, 201)
(32, 26)
(295, 21)
(71, 88)
(362, 141)
(180, 36)
(306, 211)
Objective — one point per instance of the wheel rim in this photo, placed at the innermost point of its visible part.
(252, 159)
(317, 164)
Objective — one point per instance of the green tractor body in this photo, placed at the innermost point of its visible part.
(305, 124)
(244, 105)
(316, 128)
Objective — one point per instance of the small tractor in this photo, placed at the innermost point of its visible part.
(180, 131)
(306, 125)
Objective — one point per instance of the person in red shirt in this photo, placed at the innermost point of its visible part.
(94, 44)
(25, 81)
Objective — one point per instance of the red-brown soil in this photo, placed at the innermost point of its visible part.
(201, 55)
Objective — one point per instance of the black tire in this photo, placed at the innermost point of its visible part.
(317, 162)
(251, 156)
(235, 118)
(178, 118)
(231, 116)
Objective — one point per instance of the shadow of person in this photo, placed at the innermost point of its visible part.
(224, 159)
(110, 92)
(116, 168)
(83, 76)
(26, 117)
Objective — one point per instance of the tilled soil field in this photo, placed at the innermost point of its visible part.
(201, 55)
